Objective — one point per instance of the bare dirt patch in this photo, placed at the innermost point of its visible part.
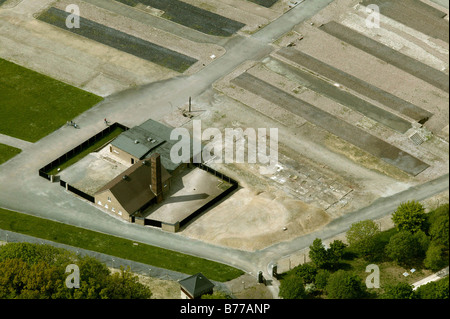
(161, 289)
(252, 221)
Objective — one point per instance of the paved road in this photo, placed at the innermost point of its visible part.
(379, 208)
(23, 190)
(443, 3)
(14, 142)
(434, 277)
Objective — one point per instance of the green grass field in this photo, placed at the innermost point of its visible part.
(7, 152)
(34, 105)
(115, 246)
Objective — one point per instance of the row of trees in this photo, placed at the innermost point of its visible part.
(30, 271)
(420, 239)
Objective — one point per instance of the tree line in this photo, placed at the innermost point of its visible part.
(32, 271)
(420, 240)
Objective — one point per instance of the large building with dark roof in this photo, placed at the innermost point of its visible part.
(147, 149)
(142, 141)
(134, 190)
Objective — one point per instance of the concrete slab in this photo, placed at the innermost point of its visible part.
(92, 172)
(190, 190)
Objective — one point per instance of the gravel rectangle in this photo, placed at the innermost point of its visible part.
(352, 134)
(193, 17)
(385, 53)
(355, 84)
(343, 97)
(416, 15)
(121, 41)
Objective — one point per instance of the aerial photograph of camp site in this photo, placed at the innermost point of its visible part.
(266, 154)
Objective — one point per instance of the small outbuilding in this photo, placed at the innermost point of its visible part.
(195, 286)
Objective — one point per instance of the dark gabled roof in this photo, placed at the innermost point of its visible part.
(196, 285)
(146, 139)
(132, 187)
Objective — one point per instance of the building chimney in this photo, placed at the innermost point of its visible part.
(156, 182)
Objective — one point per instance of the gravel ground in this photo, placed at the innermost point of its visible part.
(121, 41)
(403, 62)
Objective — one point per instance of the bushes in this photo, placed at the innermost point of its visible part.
(405, 247)
(307, 272)
(409, 216)
(418, 239)
(364, 239)
(420, 246)
(402, 290)
(31, 271)
(292, 287)
(345, 285)
(434, 290)
(326, 258)
(436, 257)
(438, 222)
(321, 279)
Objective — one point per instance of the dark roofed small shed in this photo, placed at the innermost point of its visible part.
(195, 286)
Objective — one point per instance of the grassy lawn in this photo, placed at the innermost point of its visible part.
(7, 152)
(72, 160)
(115, 246)
(34, 105)
(390, 273)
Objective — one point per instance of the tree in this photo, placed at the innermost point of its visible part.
(318, 253)
(439, 230)
(326, 258)
(19, 280)
(442, 210)
(41, 274)
(362, 238)
(345, 285)
(321, 278)
(306, 271)
(401, 290)
(335, 252)
(124, 285)
(32, 253)
(410, 216)
(436, 258)
(423, 241)
(292, 287)
(216, 295)
(404, 247)
(434, 290)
